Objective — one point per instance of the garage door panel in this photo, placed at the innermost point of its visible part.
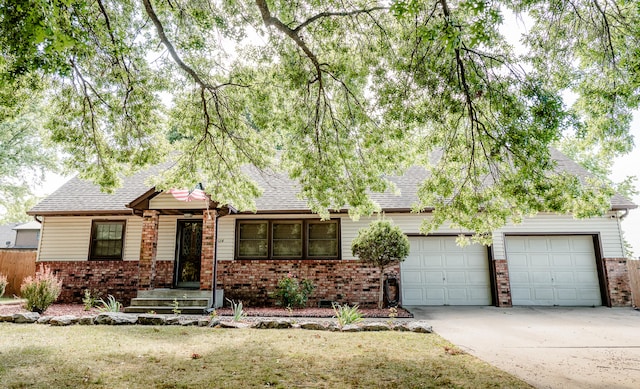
(434, 278)
(433, 261)
(412, 277)
(562, 260)
(564, 278)
(539, 260)
(541, 277)
(564, 275)
(476, 261)
(587, 278)
(583, 261)
(456, 278)
(543, 294)
(450, 274)
(521, 294)
(476, 278)
(413, 295)
(454, 261)
(561, 244)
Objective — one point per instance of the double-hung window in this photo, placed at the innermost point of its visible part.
(107, 240)
(287, 239)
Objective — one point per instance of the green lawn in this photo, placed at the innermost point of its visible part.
(191, 357)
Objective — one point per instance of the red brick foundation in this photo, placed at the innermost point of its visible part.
(503, 285)
(618, 283)
(116, 278)
(252, 281)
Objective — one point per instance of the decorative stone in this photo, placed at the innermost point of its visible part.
(185, 321)
(351, 328)
(313, 326)
(26, 317)
(375, 326)
(64, 320)
(44, 319)
(173, 320)
(272, 324)
(86, 320)
(420, 326)
(233, 324)
(8, 318)
(203, 322)
(152, 320)
(115, 318)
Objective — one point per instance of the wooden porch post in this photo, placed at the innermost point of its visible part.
(148, 249)
(208, 248)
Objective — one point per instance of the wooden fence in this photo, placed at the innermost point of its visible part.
(634, 280)
(16, 265)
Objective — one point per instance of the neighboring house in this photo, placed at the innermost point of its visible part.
(20, 235)
(139, 239)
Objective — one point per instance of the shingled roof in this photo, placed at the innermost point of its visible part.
(279, 192)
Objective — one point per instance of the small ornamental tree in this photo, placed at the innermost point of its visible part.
(381, 244)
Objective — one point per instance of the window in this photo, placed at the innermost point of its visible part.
(107, 238)
(287, 239)
(253, 239)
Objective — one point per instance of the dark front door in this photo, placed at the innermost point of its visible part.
(188, 259)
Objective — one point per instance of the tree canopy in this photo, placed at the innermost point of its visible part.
(339, 95)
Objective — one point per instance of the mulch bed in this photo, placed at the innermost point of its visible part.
(78, 310)
(313, 312)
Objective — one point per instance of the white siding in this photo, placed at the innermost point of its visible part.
(67, 238)
(167, 230)
(167, 201)
(226, 237)
(132, 238)
(606, 226)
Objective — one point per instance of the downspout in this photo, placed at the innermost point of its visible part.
(626, 212)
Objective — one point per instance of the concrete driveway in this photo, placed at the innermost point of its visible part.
(547, 347)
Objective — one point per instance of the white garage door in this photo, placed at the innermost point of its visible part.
(553, 270)
(439, 272)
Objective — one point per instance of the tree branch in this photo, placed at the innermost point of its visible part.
(329, 14)
(172, 51)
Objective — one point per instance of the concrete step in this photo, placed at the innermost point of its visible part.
(192, 310)
(169, 302)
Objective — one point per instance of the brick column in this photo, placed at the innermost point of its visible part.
(618, 283)
(503, 285)
(148, 249)
(208, 248)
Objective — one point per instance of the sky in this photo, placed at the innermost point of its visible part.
(628, 165)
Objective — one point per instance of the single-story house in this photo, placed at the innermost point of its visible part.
(20, 235)
(139, 239)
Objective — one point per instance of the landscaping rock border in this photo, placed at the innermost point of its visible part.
(119, 318)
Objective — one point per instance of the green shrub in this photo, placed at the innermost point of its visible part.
(381, 244)
(238, 311)
(41, 291)
(90, 299)
(292, 293)
(110, 305)
(3, 284)
(346, 314)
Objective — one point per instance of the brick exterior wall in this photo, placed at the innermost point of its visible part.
(503, 285)
(208, 248)
(148, 249)
(116, 278)
(618, 283)
(342, 281)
